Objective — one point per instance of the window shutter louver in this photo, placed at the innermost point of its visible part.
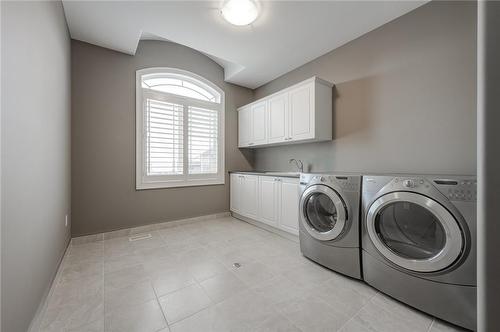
(203, 140)
(164, 138)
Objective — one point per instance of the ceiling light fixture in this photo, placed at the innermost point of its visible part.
(240, 12)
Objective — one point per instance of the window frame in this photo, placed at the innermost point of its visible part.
(144, 181)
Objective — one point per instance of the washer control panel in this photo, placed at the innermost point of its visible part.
(348, 183)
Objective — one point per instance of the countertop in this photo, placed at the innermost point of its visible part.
(270, 173)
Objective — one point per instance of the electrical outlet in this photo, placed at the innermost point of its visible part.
(66, 221)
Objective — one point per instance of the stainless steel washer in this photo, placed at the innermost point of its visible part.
(419, 242)
(329, 221)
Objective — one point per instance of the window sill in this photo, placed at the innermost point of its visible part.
(178, 184)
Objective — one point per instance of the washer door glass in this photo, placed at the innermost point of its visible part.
(410, 230)
(414, 232)
(321, 213)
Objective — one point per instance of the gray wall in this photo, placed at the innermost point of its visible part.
(489, 165)
(405, 98)
(35, 154)
(103, 139)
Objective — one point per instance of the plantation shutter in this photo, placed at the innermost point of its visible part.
(203, 135)
(164, 150)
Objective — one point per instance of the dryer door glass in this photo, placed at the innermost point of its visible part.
(415, 232)
(410, 230)
(321, 213)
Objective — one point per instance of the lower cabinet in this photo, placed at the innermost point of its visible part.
(289, 217)
(271, 200)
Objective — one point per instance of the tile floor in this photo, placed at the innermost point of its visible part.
(183, 279)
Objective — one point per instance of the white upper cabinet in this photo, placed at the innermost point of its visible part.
(300, 113)
(301, 121)
(244, 126)
(278, 118)
(259, 120)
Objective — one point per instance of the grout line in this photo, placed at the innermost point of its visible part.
(159, 304)
(432, 324)
(357, 312)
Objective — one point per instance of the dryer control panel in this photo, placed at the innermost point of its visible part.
(456, 189)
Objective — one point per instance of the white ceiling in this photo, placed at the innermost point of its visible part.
(286, 35)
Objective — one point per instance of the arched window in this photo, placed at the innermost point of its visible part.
(179, 129)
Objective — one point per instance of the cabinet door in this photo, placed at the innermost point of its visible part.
(301, 113)
(244, 127)
(235, 193)
(278, 119)
(289, 217)
(269, 188)
(249, 202)
(259, 121)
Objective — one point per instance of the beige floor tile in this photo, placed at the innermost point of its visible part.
(253, 273)
(308, 275)
(345, 294)
(279, 290)
(313, 314)
(129, 295)
(441, 326)
(125, 277)
(97, 326)
(277, 323)
(116, 247)
(388, 317)
(77, 291)
(172, 279)
(184, 302)
(204, 269)
(73, 314)
(144, 317)
(204, 320)
(78, 271)
(116, 263)
(245, 312)
(222, 286)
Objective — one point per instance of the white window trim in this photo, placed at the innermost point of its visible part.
(156, 182)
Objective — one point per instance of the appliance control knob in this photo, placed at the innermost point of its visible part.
(322, 179)
(409, 183)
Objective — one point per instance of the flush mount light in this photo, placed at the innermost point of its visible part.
(240, 12)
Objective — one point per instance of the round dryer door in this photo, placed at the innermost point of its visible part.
(414, 232)
(323, 212)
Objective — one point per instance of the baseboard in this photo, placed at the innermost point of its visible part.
(267, 227)
(37, 319)
(142, 229)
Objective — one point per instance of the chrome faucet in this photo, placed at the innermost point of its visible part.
(298, 163)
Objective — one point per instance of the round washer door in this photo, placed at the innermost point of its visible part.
(414, 232)
(323, 212)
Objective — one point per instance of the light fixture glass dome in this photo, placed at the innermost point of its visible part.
(240, 12)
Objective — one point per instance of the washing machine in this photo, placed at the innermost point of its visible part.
(419, 242)
(329, 221)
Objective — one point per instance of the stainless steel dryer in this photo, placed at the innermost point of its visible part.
(419, 242)
(329, 221)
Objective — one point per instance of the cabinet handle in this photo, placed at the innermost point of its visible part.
(250, 143)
